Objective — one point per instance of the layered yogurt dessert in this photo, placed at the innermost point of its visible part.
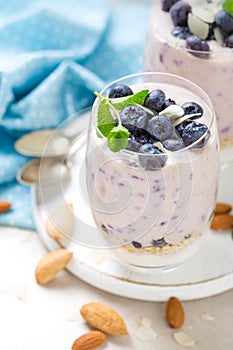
(152, 167)
(194, 39)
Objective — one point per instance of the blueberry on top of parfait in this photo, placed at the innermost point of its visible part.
(229, 41)
(168, 102)
(193, 132)
(179, 13)
(195, 43)
(160, 127)
(181, 32)
(167, 4)
(192, 108)
(224, 21)
(120, 90)
(155, 100)
(150, 157)
(174, 144)
(134, 115)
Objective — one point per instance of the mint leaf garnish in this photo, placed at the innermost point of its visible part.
(122, 102)
(228, 7)
(118, 138)
(105, 118)
(108, 114)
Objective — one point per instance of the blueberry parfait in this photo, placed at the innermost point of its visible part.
(149, 180)
(194, 39)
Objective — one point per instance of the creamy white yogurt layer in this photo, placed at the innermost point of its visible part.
(174, 203)
(165, 53)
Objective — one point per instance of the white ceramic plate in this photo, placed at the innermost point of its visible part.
(208, 272)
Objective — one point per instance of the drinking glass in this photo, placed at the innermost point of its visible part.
(152, 216)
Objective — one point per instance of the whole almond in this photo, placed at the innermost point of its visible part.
(51, 264)
(4, 206)
(222, 208)
(89, 341)
(221, 222)
(174, 313)
(104, 318)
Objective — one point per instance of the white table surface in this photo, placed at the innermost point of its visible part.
(34, 317)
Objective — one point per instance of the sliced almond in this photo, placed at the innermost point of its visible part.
(172, 111)
(89, 341)
(174, 313)
(104, 318)
(204, 14)
(197, 26)
(4, 206)
(183, 339)
(222, 222)
(218, 36)
(52, 263)
(222, 208)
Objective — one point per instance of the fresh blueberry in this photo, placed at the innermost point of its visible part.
(136, 244)
(134, 116)
(141, 136)
(179, 13)
(224, 21)
(192, 108)
(229, 41)
(120, 91)
(167, 4)
(160, 127)
(174, 144)
(159, 242)
(194, 131)
(155, 99)
(151, 157)
(167, 103)
(195, 43)
(180, 127)
(181, 32)
(133, 145)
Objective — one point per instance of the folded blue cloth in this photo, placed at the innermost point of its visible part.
(56, 54)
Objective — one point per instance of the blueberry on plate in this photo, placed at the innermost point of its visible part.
(155, 99)
(229, 41)
(168, 102)
(192, 108)
(180, 127)
(195, 43)
(174, 144)
(167, 4)
(150, 157)
(120, 91)
(181, 32)
(224, 21)
(134, 115)
(193, 132)
(160, 127)
(179, 13)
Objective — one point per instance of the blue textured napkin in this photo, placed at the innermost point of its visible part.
(60, 52)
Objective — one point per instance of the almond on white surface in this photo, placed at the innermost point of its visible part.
(104, 318)
(89, 341)
(52, 263)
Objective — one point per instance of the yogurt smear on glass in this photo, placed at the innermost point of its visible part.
(153, 197)
(195, 40)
